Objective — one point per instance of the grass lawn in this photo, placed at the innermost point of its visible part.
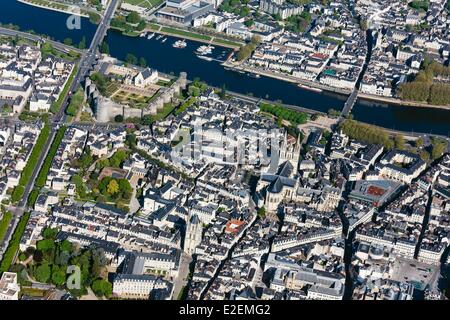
(49, 4)
(164, 112)
(57, 104)
(111, 88)
(61, 6)
(4, 224)
(155, 2)
(185, 33)
(13, 245)
(153, 26)
(133, 100)
(131, 33)
(134, 2)
(227, 42)
(144, 3)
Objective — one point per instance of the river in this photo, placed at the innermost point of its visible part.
(164, 57)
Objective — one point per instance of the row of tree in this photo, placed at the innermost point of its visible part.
(425, 87)
(294, 117)
(246, 50)
(132, 59)
(366, 133)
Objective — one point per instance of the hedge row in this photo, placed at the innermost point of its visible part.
(32, 197)
(4, 224)
(31, 164)
(13, 246)
(54, 108)
(42, 176)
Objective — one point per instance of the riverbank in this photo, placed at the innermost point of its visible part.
(59, 7)
(175, 32)
(165, 58)
(305, 84)
(315, 86)
(365, 96)
(245, 97)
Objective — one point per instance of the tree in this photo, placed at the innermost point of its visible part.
(141, 26)
(99, 261)
(419, 142)
(256, 39)
(424, 155)
(50, 233)
(131, 140)
(103, 163)
(117, 158)
(194, 91)
(62, 258)
(58, 275)
(103, 185)
(100, 81)
(125, 188)
(47, 49)
(223, 91)
(244, 11)
(118, 118)
(261, 212)
(102, 288)
(130, 58)
(399, 142)
(44, 245)
(104, 48)
(76, 101)
(142, 62)
(22, 256)
(68, 41)
(113, 187)
(133, 17)
(249, 23)
(66, 245)
(82, 44)
(42, 273)
(147, 120)
(439, 146)
(38, 256)
(86, 159)
(366, 133)
(15, 40)
(79, 184)
(279, 122)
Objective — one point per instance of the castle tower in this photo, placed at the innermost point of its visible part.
(194, 232)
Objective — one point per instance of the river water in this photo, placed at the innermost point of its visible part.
(164, 57)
